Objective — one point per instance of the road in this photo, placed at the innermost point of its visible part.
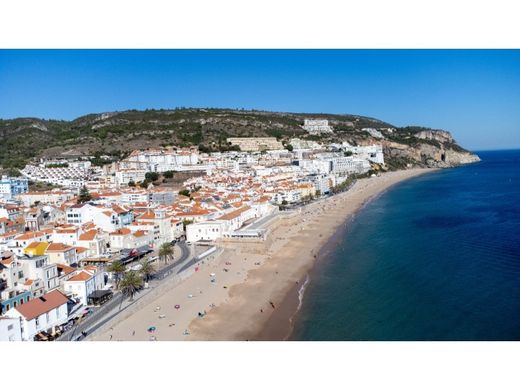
(105, 313)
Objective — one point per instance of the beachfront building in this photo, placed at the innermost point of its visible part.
(127, 239)
(83, 284)
(40, 314)
(373, 153)
(205, 231)
(10, 187)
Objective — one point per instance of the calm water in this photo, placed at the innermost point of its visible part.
(434, 258)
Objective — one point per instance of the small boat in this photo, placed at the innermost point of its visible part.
(177, 307)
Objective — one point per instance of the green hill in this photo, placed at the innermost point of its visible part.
(116, 133)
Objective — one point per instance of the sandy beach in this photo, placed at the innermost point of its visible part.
(251, 290)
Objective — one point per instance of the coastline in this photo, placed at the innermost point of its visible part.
(256, 291)
(280, 325)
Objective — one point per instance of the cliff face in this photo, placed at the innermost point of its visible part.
(427, 155)
(117, 133)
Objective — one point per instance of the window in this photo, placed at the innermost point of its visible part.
(37, 321)
(10, 327)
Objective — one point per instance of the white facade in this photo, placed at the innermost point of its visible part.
(317, 126)
(127, 175)
(83, 284)
(205, 231)
(46, 315)
(10, 329)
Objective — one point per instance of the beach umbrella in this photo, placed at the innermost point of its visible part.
(151, 329)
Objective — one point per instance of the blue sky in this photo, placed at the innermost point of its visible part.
(475, 94)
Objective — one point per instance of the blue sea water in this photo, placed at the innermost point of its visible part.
(434, 258)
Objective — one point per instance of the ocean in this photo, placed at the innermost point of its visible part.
(436, 257)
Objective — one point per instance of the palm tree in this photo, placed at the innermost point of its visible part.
(130, 284)
(117, 268)
(166, 251)
(147, 269)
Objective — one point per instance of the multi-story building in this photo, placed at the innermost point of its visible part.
(40, 314)
(10, 187)
(317, 126)
(84, 283)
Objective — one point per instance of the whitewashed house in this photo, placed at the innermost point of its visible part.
(40, 314)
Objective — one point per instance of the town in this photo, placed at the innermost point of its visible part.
(71, 254)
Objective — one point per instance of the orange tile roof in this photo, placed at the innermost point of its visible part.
(44, 304)
(88, 236)
(139, 233)
(65, 268)
(58, 247)
(81, 277)
(80, 249)
(121, 232)
(28, 236)
(234, 214)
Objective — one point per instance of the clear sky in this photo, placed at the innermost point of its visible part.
(475, 94)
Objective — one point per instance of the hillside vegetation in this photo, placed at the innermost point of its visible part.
(117, 133)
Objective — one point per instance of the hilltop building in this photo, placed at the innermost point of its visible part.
(317, 126)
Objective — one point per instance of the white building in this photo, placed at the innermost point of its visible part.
(84, 283)
(10, 329)
(317, 126)
(372, 153)
(124, 176)
(40, 314)
(205, 231)
(10, 187)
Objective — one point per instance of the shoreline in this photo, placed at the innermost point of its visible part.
(251, 292)
(280, 325)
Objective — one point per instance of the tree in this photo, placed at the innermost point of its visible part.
(284, 202)
(84, 195)
(117, 268)
(151, 176)
(131, 283)
(145, 183)
(147, 269)
(348, 153)
(131, 183)
(184, 192)
(166, 252)
(289, 147)
(168, 174)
